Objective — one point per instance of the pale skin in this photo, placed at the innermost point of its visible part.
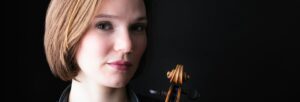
(110, 51)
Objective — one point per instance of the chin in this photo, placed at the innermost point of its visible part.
(117, 83)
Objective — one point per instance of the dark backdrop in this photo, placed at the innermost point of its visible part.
(234, 50)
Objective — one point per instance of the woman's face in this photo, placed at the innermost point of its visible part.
(111, 48)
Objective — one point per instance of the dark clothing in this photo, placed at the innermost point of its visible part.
(64, 97)
(133, 97)
(144, 98)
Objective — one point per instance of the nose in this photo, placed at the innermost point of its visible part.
(123, 42)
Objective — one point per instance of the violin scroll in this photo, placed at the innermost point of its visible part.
(176, 76)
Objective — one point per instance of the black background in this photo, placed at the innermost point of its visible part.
(234, 50)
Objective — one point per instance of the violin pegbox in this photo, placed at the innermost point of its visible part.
(176, 76)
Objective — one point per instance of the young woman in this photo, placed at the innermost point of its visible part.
(97, 45)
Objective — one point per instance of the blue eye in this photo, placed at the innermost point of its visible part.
(138, 28)
(104, 26)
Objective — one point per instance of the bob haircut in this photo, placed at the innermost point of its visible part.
(66, 22)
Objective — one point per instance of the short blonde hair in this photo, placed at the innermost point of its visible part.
(66, 22)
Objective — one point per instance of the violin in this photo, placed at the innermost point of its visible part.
(176, 76)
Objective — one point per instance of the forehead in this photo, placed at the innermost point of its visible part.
(121, 8)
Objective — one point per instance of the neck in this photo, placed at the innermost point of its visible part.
(88, 92)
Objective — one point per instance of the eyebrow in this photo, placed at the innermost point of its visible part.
(142, 18)
(106, 16)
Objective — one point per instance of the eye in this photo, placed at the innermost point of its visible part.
(138, 28)
(104, 26)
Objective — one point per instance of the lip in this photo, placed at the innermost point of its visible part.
(120, 65)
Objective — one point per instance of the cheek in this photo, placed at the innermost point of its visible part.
(92, 51)
(93, 48)
(141, 45)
